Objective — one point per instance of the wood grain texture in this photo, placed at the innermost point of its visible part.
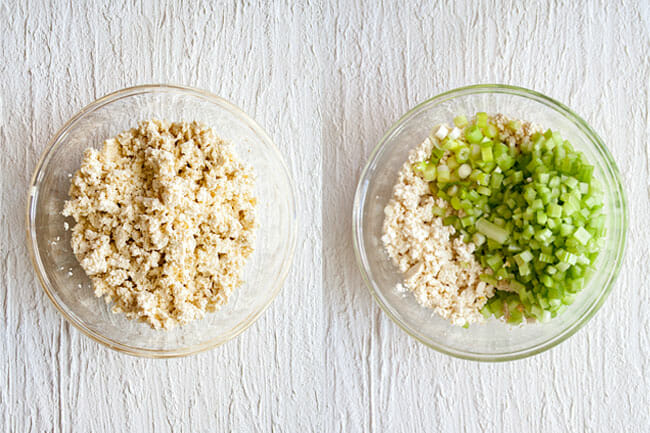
(325, 80)
(56, 58)
(385, 59)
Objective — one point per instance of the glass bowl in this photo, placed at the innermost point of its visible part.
(67, 285)
(494, 340)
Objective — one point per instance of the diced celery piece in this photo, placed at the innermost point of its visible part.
(452, 163)
(576, 285)
(562, 266)
(524, 269)
(450, 220)
(429, 172)
(473, 134)
(475, 152)
(490, 131)
(592, 202)
(462, 154)
(554, 210)
(514, 125)
(495, 262)
(585, 173)
(582, 235)
(486, 152)
(543, 235)
(478, 239)
(481, 119)
(546, 258)
(488, 279)
(460, 121)
(526, 256)
(464, 171)
(492, 231)
(495, 180)
(438, 211)
(443, 173)
(483, 179)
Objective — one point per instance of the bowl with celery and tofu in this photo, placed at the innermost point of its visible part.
(519, 198)
(490, 222)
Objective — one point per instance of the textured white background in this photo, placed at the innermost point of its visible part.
(326, 80)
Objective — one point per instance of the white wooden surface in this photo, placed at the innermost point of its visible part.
(326, 80)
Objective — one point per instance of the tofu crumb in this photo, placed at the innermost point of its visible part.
(165, 220)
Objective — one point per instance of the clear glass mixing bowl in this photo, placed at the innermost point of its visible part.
(65, 282)
(494, 340)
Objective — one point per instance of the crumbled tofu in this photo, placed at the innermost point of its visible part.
(165, 220)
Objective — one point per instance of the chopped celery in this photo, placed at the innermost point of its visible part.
(460, 121)
(490, 131)
(462, 154)
(486, 152)
(546, 258)
(452, 163)
(526, 256)
(438, 211)
(484, 190)
(533, 209)
(481, 119)
(478, 239)
(483, 179)
(464, 171)
(554, 211)
(443, 173)
(488, 279)
(514, 125)
(429, 172)
(492, 231)
(473, 134)
(582, 235)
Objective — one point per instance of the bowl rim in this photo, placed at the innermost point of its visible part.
(610, 165)
(31, 214)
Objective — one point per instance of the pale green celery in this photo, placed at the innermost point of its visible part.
(464, 171)
(582, 235)
(533, 215)
(460, 121)
(478, 239)
(490, 131)
(481, 119)
(473, 134)
(492, 231)
(443, 173)
(486, 152)
(514, 125)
